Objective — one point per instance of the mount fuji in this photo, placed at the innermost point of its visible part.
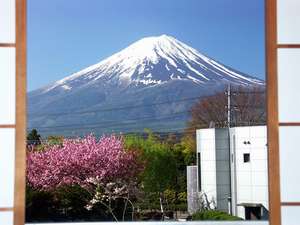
(150, 84)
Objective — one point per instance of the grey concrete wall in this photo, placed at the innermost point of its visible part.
(223, 168)
(192, 190)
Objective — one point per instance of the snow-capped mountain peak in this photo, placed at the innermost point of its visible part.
(149, 71)
(153, 61)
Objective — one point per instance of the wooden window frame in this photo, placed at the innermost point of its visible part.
(272, 112)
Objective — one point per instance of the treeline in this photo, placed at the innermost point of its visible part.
(157, 191)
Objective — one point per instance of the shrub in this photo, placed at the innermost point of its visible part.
(213, 215)
(64, 204)
(40, 206)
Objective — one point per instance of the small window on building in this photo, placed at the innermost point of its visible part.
(199, 172)
(246, 157)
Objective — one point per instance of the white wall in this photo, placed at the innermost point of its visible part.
(7, 21)
(288, 16)
(251, 177)
(207, 147)
(249, 180)
(288, 21)
(7, 112)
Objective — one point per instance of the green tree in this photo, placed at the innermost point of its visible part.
(187, 148)
(160, 168)
(55, 140)
(34, 138)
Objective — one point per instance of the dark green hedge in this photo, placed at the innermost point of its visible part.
(213, 215)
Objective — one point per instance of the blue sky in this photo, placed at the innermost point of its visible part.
(65, 36)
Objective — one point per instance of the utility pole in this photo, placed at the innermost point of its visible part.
(231, 153)
(228, 105)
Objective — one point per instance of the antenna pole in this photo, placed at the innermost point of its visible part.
(228, 105)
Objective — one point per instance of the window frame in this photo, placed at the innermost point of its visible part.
(247, 157)
(272, 118)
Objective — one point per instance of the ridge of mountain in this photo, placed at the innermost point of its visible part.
(149, 71)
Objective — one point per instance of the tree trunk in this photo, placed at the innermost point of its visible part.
(125, 208)
(161, 206)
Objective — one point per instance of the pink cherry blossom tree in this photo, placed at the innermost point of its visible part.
(104, 168)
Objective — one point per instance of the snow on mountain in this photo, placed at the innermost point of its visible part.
(149, 70)
(134, 63)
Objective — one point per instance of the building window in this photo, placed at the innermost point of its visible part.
(246, 157)
(199, 171)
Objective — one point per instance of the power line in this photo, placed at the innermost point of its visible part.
(118, 125)
(113, 123)
(119, 108)
(141, 105)
(161, 133)
(179, 130)
(128, 129)
(158, 129)
(248, 92)
(132, 121)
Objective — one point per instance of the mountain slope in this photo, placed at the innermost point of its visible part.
(147, 79)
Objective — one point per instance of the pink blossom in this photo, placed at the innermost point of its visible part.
(78, 161)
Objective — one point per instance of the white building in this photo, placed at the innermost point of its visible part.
(233, 169)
